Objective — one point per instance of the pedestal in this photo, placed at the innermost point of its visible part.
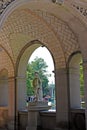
(33, 109)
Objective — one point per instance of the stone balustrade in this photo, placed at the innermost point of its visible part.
(77, 119)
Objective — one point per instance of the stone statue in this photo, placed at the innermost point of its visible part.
(37, 84)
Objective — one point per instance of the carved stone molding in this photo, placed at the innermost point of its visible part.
(4, 4)
(81, 9)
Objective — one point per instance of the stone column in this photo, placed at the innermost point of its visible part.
(85, 88)
(11, 107)
(21, 92)
(62, 97)
(32, 120)
(4, 91)
(74, 86)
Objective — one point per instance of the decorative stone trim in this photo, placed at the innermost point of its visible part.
(4, 4)
(38, 106)
(58, 1)
(81, 9)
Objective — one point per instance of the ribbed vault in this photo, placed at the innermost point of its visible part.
(35, 21)
(24, 26)
(19, 32)
(69, 41)
(6, 62)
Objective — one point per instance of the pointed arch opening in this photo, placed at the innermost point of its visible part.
(42, 62)
(76, 81)
(23, 81)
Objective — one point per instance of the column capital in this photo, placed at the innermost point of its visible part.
(11, 78)
(60, 70)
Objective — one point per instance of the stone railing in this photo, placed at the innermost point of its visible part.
(4, 4)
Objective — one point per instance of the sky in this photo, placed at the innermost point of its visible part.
(43, 52)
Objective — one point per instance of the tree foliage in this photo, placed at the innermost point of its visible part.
(81, 81)
(40, 66)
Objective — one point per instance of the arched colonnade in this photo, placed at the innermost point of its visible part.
(26, 25)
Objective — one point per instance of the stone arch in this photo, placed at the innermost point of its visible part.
(6, 74)
(3, 73)
(54, 14)
(22, 62)
(30, 48)
(63, 31)
(35, 31)
(8, 9)
(40, 29)
(6, 61)
(74, 79)
(21, 70)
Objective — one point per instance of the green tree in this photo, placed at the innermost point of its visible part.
(81, 81)
(40, 66)
(29, 80)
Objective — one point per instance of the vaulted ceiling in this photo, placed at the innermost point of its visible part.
(45, 22)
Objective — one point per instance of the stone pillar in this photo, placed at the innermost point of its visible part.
(11, 107)
(74, 86)
(62, 97)
(21, 93)
(33, 113)
(4, 91)
(32, 120)
(85, 88)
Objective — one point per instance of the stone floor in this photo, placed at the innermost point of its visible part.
(3, 129)
(21, 129)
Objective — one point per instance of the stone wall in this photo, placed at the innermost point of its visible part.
(48, 120)
(3, 116)
(78, 119)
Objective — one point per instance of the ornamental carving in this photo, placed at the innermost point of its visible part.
(4, 4)
(81, 9)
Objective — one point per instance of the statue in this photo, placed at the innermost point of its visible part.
(37, 84)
